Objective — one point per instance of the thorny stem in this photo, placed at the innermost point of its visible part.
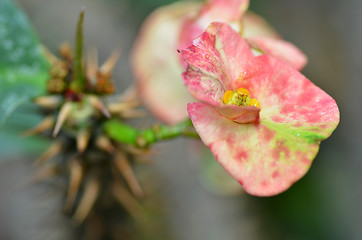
(79, 81)
(124, 133)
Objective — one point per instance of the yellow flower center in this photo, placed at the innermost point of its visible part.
(240, 97)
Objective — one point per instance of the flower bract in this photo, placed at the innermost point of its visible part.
(266, 147)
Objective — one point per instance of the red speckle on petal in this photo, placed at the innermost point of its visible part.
(296, 170)
(231, 140)
(300, 155)
(288, 108)
(306, 161)
(273, 164)
(313, 118)
(267, 134)
(275, 174)
(298, 125)
(279, 150)
(277, 119)
(242, 155)
(307, 96)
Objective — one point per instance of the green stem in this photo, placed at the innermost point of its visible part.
(78, 83)
(142, 138)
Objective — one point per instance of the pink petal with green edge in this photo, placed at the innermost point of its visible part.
(266, 158)
(156, 65)
(283, 50)
(215, 61)
(228, 11)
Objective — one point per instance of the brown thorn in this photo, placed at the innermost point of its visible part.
(44, 173)
(83, 137)
(97, 104)
(134, 113)
(92, 65)
(47, 123)
(128, 202)
(53, 150)
(130, 95)
(110, 63)
(125, 168)
(122, 106)
(63, 115)
(50, 102)
(87, 201)
(139, 152)
(66, 51)
(76, 175)
(49, 55)
(104, 143)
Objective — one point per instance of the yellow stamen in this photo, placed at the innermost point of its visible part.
(243, 91)
(254, 102)
(228, 95)
(240, 97)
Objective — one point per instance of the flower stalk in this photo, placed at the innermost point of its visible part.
(127, 134)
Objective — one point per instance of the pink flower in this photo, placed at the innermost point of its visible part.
(157, 66)
(267, 143)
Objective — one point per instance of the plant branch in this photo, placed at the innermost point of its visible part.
(124, 133)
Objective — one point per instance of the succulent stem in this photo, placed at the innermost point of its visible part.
(124, 133)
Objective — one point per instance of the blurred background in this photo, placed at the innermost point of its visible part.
(325, 204)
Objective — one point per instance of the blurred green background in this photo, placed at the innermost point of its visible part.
(325, 204)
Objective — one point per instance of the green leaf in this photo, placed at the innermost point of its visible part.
(23, 66)
(13, 143)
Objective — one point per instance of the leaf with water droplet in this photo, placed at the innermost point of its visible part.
(23, 66)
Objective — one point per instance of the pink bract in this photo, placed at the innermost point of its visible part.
(156, 63)
(269, 153)
(261, 36)
(157, 67)
(228, 11)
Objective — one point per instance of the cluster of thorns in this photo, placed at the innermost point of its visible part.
(94, 165)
